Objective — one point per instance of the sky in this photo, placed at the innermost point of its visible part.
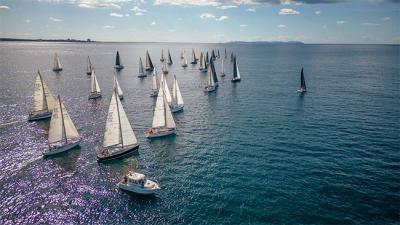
(207, 21)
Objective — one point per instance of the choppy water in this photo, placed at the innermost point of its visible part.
(252, 152)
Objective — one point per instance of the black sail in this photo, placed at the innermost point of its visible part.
(234, 68)
(232, 57)
(149, 60)
(212, 67)
(117, 61)
(207, 58)
(169, 58)
(302, 80)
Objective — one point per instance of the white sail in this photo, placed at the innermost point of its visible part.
(210, 80)
(95, 88)
(61, 125)
(128, 137)
(43, 99)
(184, 61)
(141, 69)
(159, 110)
(202, 61)
(89, 66)
(120, 93)
(176, 93)
(164, 69)
(57, 63)
(154, 86)
(167, 93)
(112, 133)
(237, 69)
(169, 119)
(222, 67)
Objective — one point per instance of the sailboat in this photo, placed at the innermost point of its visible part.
(207, 59)
(43, 100)
(57, 64)
(236, 73)
(182, 54)
(214, 73)
(141, 69)
(303, 87)
(162, 56)
(163, 121)
(184, 62)
(167, 94)
(213, 55)
(89, 67)
(231, 56)
(225, 54)
(62, 133)
(211, 85)
(177, 100)
(119, 138)
(194, 59)
(154, 87)
(164, 68)
(222, 68)
(119, 90)
(202, 64)
(149, 63)
(218, 55)
(118, 62)
(95, 91)
(169, 58)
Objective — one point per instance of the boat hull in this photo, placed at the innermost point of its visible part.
(235, 80)
(57, 69)
(301, 90)
(184, 65)
(193, 62)
(39, 116)
(222, 74)
(137, 190)
(94, 95)
(88, 73)
(209, 88)
(119, 67)
(61, 149)
(142, 75)
(165, 72)
(149, 69)
(177, 108)
(160, 133)
(119, 154)
(154, 94)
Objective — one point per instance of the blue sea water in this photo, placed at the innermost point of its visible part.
(254, 152)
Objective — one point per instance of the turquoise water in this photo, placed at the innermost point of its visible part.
(254, 152)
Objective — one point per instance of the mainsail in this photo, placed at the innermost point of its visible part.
(154, 85)
(236, 73)
(119, 90)
(194, 60)
(162, 55)
(176, 93)
(202, 63)
(302, 80)
(62, 129)
(162, 114)
(89, 66)
(169, 58)
(214, 73)
(222, 67)
(166, 90)
(117, 60)
(57, 63)
(94, 85)
(118, 130)
(149, 63)
(43, 99)
(141, 70)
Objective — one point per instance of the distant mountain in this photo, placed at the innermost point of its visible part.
(45, 40)
(266, 42)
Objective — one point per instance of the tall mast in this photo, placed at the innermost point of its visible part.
(44, 93)
(119, 119)
(62, 119)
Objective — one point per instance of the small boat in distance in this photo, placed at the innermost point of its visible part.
(119, 138)
(95, 91)
(149, 63)
(207, 59)
(163, 121)
(226, 55)
(138, 183)
(236, 73)
(89, 67)
(231, 56)
(222, 68)
(177, 100)
(303, 87)
(214, 73)
(118, 63)
(213, 55)
(154, 87)
(162, 59)
(62, 132)
(203, 64)
(169, 58)
(43, 102)
(218, 55)
(184, 62)
(164, 68)
(182, 54)
(119, 90)
(141, 69)
(211, 85)
(57, 64)
(194, 59)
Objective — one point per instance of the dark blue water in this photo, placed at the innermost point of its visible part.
(254, 152)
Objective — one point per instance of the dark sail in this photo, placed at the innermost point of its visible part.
(225, 54)
(212, 68)
(117, 61)
(213, 55)
(234, 68)
(302, 81)
(207, 59)
(218, 55)
(150, 62)
(169, 58)
(232, 57)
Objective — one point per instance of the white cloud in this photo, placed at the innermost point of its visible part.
(27, 21)
(370, 24)
(227, 7)
(206, 16)
(386, 18)
(93, 4)
(286, 11)
(222, 18)
(243, 25)
(139, 14)
(317, 12)
(108, 27)
(127, 14)
(251, 9)
(340, 22)
(138, 10)
(55, 19)
(281, 26)
(4, 7)
(116, 15)
(188, 2)
(153, 23)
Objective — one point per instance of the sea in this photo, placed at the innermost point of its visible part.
(252, 152)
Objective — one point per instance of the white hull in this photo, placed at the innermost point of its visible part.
(160, 133)
(137, 189)
(61, 149)
(176, 108)
(301, 90)
(235, 80)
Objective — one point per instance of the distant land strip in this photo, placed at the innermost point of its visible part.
(45, 40)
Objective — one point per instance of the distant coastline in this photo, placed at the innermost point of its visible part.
(45, 40)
